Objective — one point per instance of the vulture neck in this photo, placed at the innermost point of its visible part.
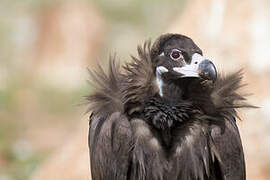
(168, 109)
(175, 90)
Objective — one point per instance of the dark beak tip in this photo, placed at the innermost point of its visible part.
(208, 70)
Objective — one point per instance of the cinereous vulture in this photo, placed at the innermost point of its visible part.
(165, 115)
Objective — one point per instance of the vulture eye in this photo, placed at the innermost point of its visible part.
(176, 55)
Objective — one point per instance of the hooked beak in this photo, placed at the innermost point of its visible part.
(199, 67)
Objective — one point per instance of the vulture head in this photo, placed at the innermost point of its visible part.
(176, 57)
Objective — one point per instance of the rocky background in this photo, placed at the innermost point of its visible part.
(46, 47)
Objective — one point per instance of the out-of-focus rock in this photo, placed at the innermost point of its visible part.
(235, 34)
(69, 36)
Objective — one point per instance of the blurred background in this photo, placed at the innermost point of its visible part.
(46, 47)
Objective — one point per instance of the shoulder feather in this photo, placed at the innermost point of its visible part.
(226, 95)
(106, 97)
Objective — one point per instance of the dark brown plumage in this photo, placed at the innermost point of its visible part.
(165, 116)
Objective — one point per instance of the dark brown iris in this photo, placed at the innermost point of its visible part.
(176, 54)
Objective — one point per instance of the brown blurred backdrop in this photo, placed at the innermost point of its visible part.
(46, 47)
